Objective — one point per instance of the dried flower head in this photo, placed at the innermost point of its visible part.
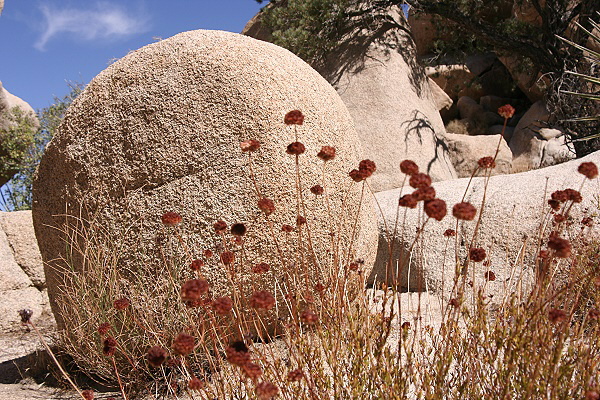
(171, 219)
(464, 210)
(192, 290)
(287, 228)
(266, 390)
(557, 316)
(237, 353)
(196, 265)
(435, 209)
(587, 221)
(294, 117)
(222, 305)
(558, 218)
(104, 328)
(309, 317)
(327, 153)
(238, 229)
(122, 303)
(588, 169)
(250, 145)
(207, 253)
(419, 180)
(196, 384)
(554, 204)
(260, 268)
(408, 200)
(262, 299)
(409, 167)
(156, 356)
(87, 394)
(559, 195)
(477, 254)
(368, 167)
(353, 266)
(300, 220)
(454, 302)
(562, 247)
(490, 276)
(109, 346)
(220, 227)
(357, 175)
(252, 370)
(295, 148)
(424, 193)
(295, 375)
(486, 162)
(25, 315)
(573, 195)
(506, 111)
(317, 189)
(449, 232)
(266, 205)
(319, 287)
(227, 257)
(184, 344)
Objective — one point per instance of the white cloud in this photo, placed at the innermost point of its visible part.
(104, 21)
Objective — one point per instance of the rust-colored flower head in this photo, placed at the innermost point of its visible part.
(319, 287)
(295, 148)
(357, 175)
(238, 229)
(227, 257)
(260, 268)
(193, 290)
(184, 344)
(587, 221)
(592, 395)
(464, 210)
(573, 195)
(87, 394)
(477, 254)
(367, 167)
(109, 346)
(104, 328)
(557, 316)
(220, 227)
(490, 276)
(560, 195)
(196, 265)
(171, 219)
(419, 180)
(409, 167)
(121, 304)
(506, 111)
(300, 220)
(237, 353)
(424, 193)
(353, 266)
(309, 317)
(588, 169)
(196, 384)
(250, 145)
(25, 315)
(266, 205)
(454, 302)
(558, 218)
(287, 228)
(252, 370)
(207, 253)
(222, 305)
(408, 200)
(449, 232)
(486, 162)
(544, 254)
(156, 356)
(554, 204)
(317, 189)
(262, 299)
(435, 209)
(266, 390)
(562, 247)
(294, 117)
(327, 153)
(295, 375)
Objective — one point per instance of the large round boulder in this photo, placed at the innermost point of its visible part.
(160, 131)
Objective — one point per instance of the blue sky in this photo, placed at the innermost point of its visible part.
(45, 43)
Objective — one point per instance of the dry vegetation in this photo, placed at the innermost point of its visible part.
(163, 333)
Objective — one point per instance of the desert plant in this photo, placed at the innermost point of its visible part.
(15, 138)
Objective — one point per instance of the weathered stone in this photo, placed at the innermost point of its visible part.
(440, 98)
(508, 231)
(18, 227)
(466, 150)
(556, 151)
(160, 130)
(456, 81)
(12, 276)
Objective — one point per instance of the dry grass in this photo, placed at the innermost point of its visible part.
(333, 341)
